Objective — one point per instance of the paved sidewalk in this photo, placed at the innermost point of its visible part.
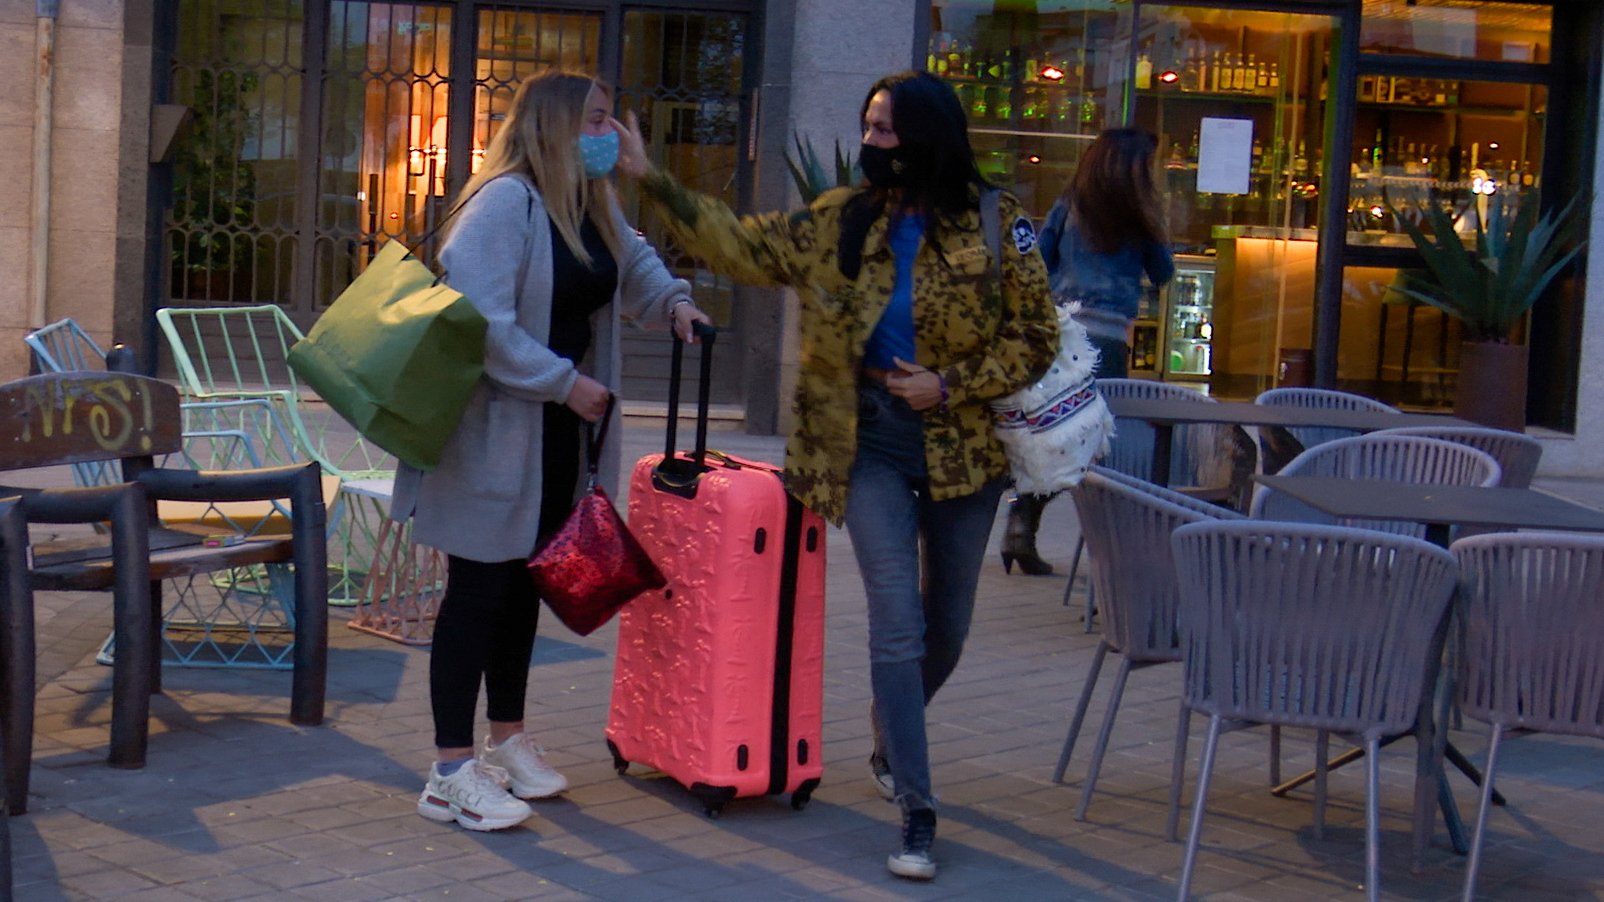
(238, 804)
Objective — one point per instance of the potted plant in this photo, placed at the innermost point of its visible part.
(215, 191)
(1489, 286)
(808, 172)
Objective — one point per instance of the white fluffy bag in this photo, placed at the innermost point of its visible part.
(1054, 430)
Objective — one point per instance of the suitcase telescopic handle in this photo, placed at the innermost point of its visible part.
(705, 334)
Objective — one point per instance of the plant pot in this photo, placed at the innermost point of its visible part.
(1492, 384)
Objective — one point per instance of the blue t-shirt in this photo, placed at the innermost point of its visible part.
(893, 335)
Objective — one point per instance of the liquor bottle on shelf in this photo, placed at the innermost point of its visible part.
(1144, 72)
(1262, 73)
(1275, 78)
(1216, 74)
(1002, 107)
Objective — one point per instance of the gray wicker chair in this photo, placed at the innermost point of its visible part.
(1279, 445)
(1517, 454)
(1399, 458)
(1532, 643)
(1301, 625)
(1127, 523)
(1208, 460)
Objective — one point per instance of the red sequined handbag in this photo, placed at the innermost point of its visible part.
(592, 565)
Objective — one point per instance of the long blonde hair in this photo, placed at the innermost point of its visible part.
(540, 139)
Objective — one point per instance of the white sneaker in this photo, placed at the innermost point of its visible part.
(525, 762)
(475, 796)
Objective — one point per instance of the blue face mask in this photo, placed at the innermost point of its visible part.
(600, 153)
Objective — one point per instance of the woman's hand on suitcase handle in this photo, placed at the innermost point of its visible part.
(588, 398)
(682, 316)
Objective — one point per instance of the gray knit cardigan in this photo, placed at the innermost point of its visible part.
(483, 501)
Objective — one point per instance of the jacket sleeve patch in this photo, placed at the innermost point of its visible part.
(1024, 235)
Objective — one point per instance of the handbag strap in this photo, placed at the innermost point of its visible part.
(594, 437)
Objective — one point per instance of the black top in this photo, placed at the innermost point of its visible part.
(577, 291)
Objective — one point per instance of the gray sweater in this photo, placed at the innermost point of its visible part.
(483, 501)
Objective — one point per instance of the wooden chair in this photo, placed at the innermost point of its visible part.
(67, 418)
(13, 583)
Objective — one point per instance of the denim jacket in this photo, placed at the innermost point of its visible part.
(1108, 286)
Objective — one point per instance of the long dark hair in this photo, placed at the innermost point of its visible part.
(1113, 196)
(940, 178)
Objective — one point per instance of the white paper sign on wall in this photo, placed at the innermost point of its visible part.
(1224, 155)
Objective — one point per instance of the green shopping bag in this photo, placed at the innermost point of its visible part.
(397, 355)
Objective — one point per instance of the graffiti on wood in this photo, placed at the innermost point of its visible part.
(105, 416)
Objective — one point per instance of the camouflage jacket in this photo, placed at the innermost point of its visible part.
(986, 337)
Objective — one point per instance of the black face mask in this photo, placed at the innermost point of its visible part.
(883, 167)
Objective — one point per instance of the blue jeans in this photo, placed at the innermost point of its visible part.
(918, 616)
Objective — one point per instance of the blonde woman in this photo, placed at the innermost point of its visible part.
(539, 245)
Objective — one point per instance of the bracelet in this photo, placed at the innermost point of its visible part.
(942, 384)
(675, 306)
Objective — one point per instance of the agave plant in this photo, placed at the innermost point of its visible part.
(808, 172)
(1490, 286)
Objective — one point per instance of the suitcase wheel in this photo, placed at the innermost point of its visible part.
(712, 797)
(803, 794)
(620, 766)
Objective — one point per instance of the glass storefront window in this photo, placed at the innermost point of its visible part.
(1394, 348)
(1457, 29)
(1039, 82)
(1242, 89)
(1422, 141)
(1240, 101)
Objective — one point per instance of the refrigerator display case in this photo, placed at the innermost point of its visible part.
(1146, 336)
(1188, 320)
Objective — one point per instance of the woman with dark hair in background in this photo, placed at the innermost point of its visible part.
(1103, 234)
(907, 332)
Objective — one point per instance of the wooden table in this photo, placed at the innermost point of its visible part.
(1165, 414)
(1440, 508)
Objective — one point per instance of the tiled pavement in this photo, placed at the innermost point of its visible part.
(236, 803)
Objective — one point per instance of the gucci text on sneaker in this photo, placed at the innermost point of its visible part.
(475, 796)
(525, 763)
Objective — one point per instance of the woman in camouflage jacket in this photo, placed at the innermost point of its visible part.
(909, 326)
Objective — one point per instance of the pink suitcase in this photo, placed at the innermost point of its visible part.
(719, 676)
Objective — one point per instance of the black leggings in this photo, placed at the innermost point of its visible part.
(485, 628)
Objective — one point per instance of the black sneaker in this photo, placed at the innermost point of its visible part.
(918, 833)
